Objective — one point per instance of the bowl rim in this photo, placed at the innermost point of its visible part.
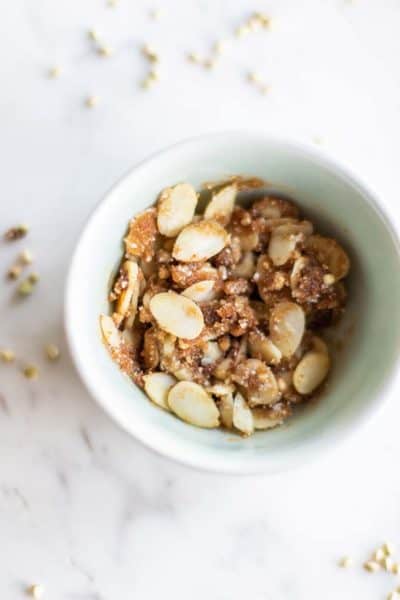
(321, 158)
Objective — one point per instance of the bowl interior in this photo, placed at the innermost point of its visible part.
(368, 335)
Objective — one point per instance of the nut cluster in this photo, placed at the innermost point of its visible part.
(216, 314)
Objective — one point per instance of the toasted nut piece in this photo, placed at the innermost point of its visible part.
(111, 335)
(128, 298)
(177, 315)
(221, 389)
(225, 406)
(329, 279)
(284, 240)
(52, 351)
(298, 266)
(191, 403)
(242, 415)
(257, 382)
(311, 371)
(281, 246)
(211, 354)
(262, 418)
(141, 239)
(275, 208)
(176, 206)
(246, 267)
(221, 205)
(286, 325)
(200, 241)
(345, 562)
(330, 254)
(7, 355)
(157, 387)
(263, 348)
(202, 291)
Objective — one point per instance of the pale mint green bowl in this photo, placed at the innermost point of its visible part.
(340, 206)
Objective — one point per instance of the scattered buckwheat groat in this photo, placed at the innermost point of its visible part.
(217, 313)
(16, 233)
(52, 352)
(36, 591)
(55, 72)
(6, 355)
(92, 101)
(26, 257)
(346, 562)
(31, 372)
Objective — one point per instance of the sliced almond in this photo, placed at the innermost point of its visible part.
(284, 240)
(298, 266)
(319, 345)
(286, 326)
(242, 415)
(129, 272)
(202, 291)
(262, 419)
(111, 335)
(157, 387)
(191, 403)
(221, 205)
(177, 315)
(176, 206)
(330, 254)
(200, 241)
(311, 371)
(225, 406)
(246, 267)
(262, 347)
(271, 224)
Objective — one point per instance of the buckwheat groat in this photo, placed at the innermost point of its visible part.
(217, 316)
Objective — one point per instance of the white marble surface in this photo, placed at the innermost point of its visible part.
(85, 510)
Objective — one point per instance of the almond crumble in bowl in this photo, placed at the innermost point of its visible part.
(218, 314)
(253, 330)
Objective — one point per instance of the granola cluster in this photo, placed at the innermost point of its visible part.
(216, 315)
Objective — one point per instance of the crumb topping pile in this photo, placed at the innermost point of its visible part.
(217, 315)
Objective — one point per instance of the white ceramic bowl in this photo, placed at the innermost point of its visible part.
(341, 206)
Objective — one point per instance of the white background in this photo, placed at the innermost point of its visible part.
(85, 510)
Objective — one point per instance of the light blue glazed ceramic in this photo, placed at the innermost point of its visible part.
(370, 332)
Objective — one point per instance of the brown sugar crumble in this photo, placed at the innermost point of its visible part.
(218, 316)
